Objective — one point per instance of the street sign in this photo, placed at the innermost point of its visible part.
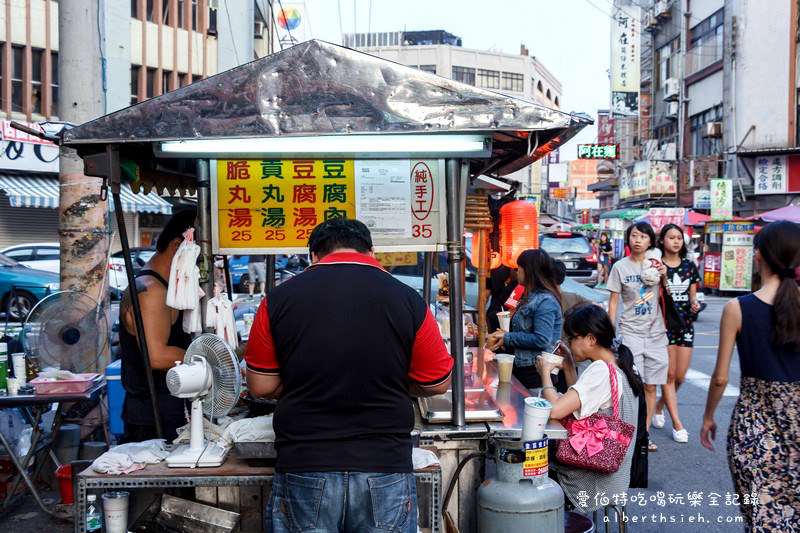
(271, 206)
(598, 151)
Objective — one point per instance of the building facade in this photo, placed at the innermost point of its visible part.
(718, 99)
(148, 47)
(438, 52)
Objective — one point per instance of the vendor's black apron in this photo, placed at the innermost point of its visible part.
(137, 412)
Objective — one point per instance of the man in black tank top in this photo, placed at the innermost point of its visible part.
(166, 340)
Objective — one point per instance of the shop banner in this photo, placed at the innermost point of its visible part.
(661, 216)
(26, 153)
(712, 265)
(619, 247)
(535, 198)
(271, 206)
(721, 199)
(625, 54)
(291, 21)
(702, 199)
(771, 175)
(662, 181)
(737, 262)
(605, 128)
(640, 178)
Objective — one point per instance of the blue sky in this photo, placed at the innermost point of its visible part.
(571, 37)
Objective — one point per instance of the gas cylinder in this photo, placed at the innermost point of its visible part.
(522, 499)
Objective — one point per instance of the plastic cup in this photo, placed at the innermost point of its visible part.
(504, 317)
(13, 386)
(18, 360)
(503, 395)
(535, 416)
(553, 358)
(115, 511)
(505, 366)
(248, 320)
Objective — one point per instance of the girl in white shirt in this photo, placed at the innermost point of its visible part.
(591, 338)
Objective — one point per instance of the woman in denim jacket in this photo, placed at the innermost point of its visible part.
(536, 324)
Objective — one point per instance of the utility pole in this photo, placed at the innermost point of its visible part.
(83, 214)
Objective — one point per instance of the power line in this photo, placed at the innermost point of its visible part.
(230, 27)
(308, 20)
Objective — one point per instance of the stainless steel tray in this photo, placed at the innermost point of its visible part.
(472, 383)
(479, 407)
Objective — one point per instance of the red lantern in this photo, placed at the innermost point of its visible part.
(519, 230)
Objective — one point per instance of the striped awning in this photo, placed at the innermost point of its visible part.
(42, 191)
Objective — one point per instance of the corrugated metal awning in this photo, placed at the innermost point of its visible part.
(42, 191)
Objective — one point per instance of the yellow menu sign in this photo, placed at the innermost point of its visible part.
(277, 203)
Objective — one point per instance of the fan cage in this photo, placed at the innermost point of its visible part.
(227, 380)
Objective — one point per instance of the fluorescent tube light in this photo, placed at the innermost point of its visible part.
(350, 145)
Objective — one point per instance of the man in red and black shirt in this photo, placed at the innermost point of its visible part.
(345, 346)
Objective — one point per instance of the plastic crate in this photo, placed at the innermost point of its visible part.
(116, 397)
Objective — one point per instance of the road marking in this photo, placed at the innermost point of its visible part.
(698, 379)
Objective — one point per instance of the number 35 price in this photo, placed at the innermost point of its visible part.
(422, 230)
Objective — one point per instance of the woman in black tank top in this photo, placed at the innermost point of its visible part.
(764, 436)
(137, 411)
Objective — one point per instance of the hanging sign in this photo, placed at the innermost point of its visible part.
(20, 151)
(271, 206)
(661, 216)
(625, 59)
(712, 264)
(598, 151)
(721, 199)
(702, 199)
(737, 262)
(771, 175)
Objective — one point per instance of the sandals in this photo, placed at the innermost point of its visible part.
(651, 446)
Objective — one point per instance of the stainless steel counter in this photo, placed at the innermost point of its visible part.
(510, 397)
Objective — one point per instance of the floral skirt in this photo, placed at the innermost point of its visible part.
(764, 454)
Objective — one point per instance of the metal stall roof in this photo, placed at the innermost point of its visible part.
(318, 88)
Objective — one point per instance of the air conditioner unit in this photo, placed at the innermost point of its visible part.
(672, 110)
(662, 9)
(650, 21)
(258, 29)
(712, 130)
(672, 89)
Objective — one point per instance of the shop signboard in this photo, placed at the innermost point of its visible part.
(640, 178)
(22, 152)
(392, 259)
(598, 151)
(662, 181)
(702, 199)
(737, 262)
(605, 128)
(771, 175)
(661, 216)
(625, 54)
(271, 206)
(559, 193)
(721, 199)
(625, 184)
(712, 264)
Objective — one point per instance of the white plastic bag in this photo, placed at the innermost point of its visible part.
(184, 276)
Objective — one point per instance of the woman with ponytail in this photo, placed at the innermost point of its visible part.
(764, 436)
(591, 338)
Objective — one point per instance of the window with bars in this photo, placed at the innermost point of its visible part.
(701, 145)
(54, 82)
(134, 84)
(488, 78)
(464, 75)
(150, 10)
(37, 57)
(17, 60)
(180, 14)
(194, 15)
(165, 76)
(166, 14)
(707, 29)
(512, 81)
(150, 82)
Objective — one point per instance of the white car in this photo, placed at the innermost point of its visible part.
(38, 255)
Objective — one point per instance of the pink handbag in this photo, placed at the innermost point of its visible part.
(599, 442)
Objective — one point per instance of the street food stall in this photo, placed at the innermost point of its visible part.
(314, 132)
(728, 263)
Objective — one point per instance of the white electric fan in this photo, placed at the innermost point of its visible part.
(209, 377)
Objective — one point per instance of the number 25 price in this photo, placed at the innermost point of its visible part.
(422, 230)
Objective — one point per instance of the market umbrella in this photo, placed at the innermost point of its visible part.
(790, 213)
